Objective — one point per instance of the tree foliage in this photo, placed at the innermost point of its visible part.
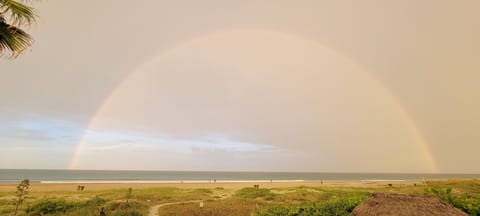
(15, 15)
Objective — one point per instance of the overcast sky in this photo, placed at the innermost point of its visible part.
(339, 86)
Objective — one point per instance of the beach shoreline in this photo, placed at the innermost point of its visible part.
(238, 184)
(224, 184)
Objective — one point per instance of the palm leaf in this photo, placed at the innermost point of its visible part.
(19, 13)
(13, 40)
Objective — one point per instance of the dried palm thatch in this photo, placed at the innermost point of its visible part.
(403, 204)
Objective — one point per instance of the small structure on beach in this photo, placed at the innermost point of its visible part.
(405, 204)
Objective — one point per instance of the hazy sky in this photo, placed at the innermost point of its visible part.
(346, 86)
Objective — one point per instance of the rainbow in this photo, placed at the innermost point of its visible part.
(424, 146)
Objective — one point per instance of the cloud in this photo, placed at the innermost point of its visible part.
(26, 134)
(117, 140)
(31, 129)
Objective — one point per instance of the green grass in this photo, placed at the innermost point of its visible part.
(255, 193)
(315, 201)
(464, 194)
(232, 207)
(336, 206)
(88, 203)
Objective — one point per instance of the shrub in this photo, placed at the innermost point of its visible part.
(50, 206)
(467, 203)
(96, 201)
(442, 193)
(123, 206)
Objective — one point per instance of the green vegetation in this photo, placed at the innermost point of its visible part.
(51, 206)
(254, 193)
(261, 201)
(337, 206)
(22, 191)
(14, 15)
(468, 202)
(129, 194)
(232, 206)
(316, 201)
(131, 208)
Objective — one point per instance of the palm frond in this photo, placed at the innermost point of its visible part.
(13, 41)
(18, 12)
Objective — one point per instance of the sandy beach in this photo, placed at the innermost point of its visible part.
(226, 185)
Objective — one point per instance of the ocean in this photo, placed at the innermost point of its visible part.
(53, 176)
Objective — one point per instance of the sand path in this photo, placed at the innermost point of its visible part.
(154, 209)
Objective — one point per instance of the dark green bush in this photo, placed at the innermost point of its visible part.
(50, 206)
(469, 204)
(62, 207)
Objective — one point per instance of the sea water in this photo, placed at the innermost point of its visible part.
(52, 176)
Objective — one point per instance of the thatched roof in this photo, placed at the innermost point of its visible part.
(403, 204)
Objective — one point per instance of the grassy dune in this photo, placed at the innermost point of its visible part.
(339, 200)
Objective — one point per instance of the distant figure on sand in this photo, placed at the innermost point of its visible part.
(80, 187)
